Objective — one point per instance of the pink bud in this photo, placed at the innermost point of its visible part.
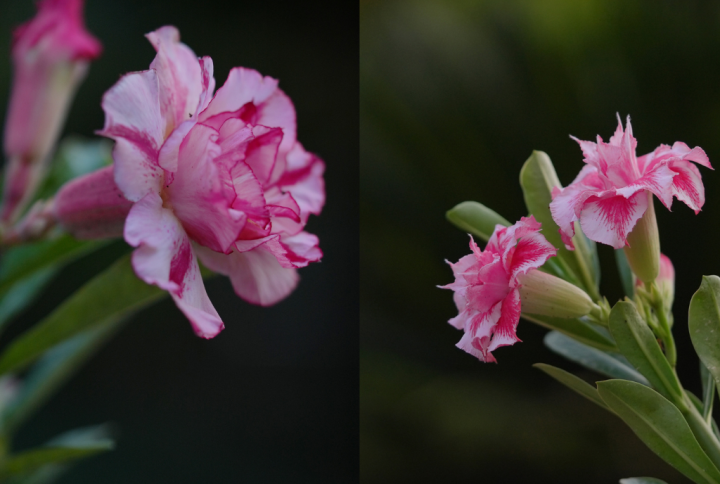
(92, 206)
(50, 54)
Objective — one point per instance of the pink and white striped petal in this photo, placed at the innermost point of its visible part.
(687, 184)
(609, 220)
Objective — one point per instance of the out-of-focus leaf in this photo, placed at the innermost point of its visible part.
(537, 179)
(638, 344)
(576, 329)
(75, 157)
(626, 275)
(574, 383)
(704, 324)
(22, 293)
(55, 367)
(475, 218)
(44, 463)
(20, 262)
(641, 480)
(661, 426)
(114, 293)
(592, 358)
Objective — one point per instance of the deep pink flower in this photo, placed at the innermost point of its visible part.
(608, 196)
(50, 54)
(218, 177)
(487, 286)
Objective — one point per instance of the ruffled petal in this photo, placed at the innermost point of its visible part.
(179, 74)
(531, 252)
(659, 181)
(257, 101)
(506, 327)
(256, 276)
(201, 193)
(304, 180)
(609, 220)
(133, 120)
(164, 257)
(687, 184)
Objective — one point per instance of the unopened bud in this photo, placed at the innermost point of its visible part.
(643, 250)
(50, 57)
(547, 295)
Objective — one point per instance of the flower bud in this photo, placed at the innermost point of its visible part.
(50, 57)
(547, 295)
(643, 249)
(666, 280)
(92, 206)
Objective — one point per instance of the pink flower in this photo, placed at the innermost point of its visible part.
(50, 54)
(608, 197)
(218, 177)
(487, 286)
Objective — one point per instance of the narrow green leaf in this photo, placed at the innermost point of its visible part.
(36, 458)
(637, 342)
(592, 358)
(51, 371)
(641, 480)
(577, 329)
(704, 324)
(537, 179)
(626, 275)
(574, 383)
(22, 293)
(20, 262)
(475, 218)
(114, 293)
(661, 426)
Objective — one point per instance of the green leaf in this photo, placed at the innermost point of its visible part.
(475, 218)
(641, 480)
(31, 460)
(55, 367)
(22, 293)
(85, 437)
(114, 293)
(537, 179)
(661, 426)
(704, 324)
(577, 329)
(592, 358)
(638, 344)
(20, 262)
(574, 383)
(626, 275)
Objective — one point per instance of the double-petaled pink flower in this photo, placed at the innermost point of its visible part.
(216, 176)
(487, 286)
(609, 195)
(50, 54)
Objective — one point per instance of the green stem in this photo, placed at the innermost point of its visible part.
(708, 397)
(703, 432)
(664, 326)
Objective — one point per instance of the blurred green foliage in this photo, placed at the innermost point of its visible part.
(455, 95)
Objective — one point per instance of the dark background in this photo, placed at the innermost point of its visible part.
(454, 97)
(274, 397)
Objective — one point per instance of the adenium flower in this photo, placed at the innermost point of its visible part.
(216, 176)
(493, 286)
(609, 195)
(50, 54)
